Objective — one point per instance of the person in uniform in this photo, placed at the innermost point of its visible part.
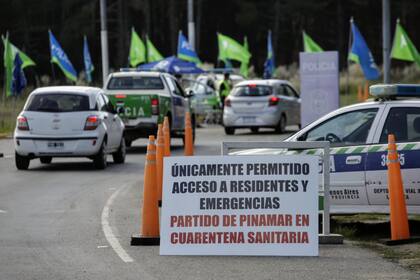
(225, 88)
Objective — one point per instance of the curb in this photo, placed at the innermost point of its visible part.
(5, 136)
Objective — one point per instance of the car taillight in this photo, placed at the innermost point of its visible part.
(155, 106)
(92, 122)
(273, 101)
(120, 96)
(227, 102)
(22, 123)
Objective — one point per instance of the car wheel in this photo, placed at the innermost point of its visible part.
(45, 160)
(254, 129)
(22, 162)
(119, 155)
(99, 160)
(281, 126)
(229, 130)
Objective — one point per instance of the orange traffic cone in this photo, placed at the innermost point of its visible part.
(188, 136)
(397, 207)
(359, 93)
(366, 91)
(167, 136)
(160, 150)
(149, 232)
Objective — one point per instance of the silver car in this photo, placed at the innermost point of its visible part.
(261, 103)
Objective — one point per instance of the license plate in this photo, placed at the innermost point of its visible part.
(55, 145)
(248, 119)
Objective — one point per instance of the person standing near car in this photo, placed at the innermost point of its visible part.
(225, 88)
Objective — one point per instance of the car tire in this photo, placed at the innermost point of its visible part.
(119, 155)
(229, 130)
(45, 160)
(254, 129)
(99, 161)
(22, 162)
(281, 126)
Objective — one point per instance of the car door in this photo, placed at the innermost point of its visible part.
(107, 118)
(348, 134)
(178, 103)
(294, 104)
(404, 122)
(116, 128)
(286, 101)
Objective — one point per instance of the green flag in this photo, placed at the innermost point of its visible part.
(244, 64)
(309, 45)
(26, 60)
(230, 49)
(152, 53)
(137, 49)
(8, 65)
(403, 48)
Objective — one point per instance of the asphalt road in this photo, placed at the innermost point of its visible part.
(69, 221)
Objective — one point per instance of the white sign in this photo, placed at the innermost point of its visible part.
(318, 85)
(240, 205)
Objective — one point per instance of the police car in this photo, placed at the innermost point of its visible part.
(146, 98)
(358, 136)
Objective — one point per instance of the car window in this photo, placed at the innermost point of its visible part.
(100, 103)
(56, 102)
(178, 88)
(291, 92)
(284, 91)
(350, 128)
(108, 105)
(136, 82)
(252, 90)
(404, 123)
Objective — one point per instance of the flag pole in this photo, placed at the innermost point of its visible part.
(5, 71)
(53, 73)
(348, 62)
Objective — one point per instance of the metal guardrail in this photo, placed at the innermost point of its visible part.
(325, 145)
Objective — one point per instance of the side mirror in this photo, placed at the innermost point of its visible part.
(189, 93)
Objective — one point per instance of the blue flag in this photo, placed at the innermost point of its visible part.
(87, 60)
(185, 51)
(361, 54)
(18, 78)
(269, 63)
(59, 57)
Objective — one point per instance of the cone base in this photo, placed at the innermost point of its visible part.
(389, 242)
(138, 240)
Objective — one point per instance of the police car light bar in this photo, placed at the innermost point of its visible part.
(395, 90)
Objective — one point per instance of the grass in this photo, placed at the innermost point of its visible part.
(365, 230)
(9, 109)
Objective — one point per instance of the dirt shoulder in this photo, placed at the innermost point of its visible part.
(366, 231)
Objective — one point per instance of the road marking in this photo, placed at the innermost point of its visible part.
(109, 235)
(103, 246)
(8, 156)
(2, 211)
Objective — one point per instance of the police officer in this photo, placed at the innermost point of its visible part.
(225, 88)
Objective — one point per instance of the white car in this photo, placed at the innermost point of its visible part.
(68, 121)
(255, 104)
(358, 136)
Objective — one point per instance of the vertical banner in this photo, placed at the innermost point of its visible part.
(319, 84)
(240, 205)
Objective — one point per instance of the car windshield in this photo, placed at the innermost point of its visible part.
(346, 129)
(56, 102)
(135, 83)
(252, 90)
